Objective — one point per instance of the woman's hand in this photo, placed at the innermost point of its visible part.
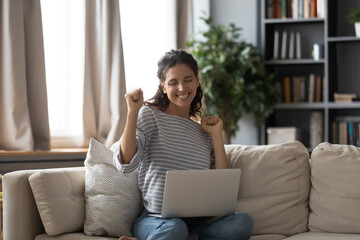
(212, 125)
(134, 100)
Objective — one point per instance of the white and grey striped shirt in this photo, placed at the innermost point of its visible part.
(165, 142)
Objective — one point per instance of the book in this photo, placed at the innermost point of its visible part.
(311, 88)
(344, 97)
(283, 45)
(295, 9)
(276, 45)
(320, 8)
(276, 8)
(298, 46)
(269, 9)
(289, 9)
(306, 8)
(313, 8)
(318, 88)
(287, 90)
(291, 45)
(301, 9)
(351, 133)
(283, 9)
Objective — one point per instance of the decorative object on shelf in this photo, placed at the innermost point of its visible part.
(277, 135)
(233, 76)
(344, 97)
(354, 17)
(316, 128)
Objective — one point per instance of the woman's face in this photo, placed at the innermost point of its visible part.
(180, 86)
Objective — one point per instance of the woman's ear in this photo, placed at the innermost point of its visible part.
(162, 87)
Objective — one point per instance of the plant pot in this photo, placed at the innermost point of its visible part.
(357, 29)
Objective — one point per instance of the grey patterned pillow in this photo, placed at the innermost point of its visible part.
(112, 199)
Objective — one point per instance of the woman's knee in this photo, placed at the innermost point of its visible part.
(244, 225)
(173, 228)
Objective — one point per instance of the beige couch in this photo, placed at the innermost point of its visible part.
(287, 197)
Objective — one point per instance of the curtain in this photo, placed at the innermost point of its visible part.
(184, 22)
(24, 123)
(105, 107)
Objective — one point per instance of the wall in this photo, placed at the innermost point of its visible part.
(246, 15)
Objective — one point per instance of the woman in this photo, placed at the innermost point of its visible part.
(163, 135)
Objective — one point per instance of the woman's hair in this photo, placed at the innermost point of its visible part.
(169, 60)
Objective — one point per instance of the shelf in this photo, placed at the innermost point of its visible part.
(292, 20)
(294, 61)
(344, 39)
(344, 105)
(300, 106)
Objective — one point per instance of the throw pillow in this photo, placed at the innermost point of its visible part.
(112, 199)
(59, 196)
(274, 186)
(335, 189)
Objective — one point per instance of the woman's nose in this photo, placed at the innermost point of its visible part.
(181, 86)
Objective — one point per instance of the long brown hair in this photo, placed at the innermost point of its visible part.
(170, 59)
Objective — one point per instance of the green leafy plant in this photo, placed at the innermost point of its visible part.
(232, 75)
(353, 16)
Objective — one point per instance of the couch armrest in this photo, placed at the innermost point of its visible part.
(21, 216)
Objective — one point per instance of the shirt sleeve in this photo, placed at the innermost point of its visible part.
(145, 127)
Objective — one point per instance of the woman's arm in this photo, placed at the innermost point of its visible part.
(214, 126)
(128, 147)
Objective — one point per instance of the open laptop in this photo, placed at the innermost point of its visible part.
(200, 193)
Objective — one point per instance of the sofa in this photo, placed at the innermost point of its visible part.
(288, 195)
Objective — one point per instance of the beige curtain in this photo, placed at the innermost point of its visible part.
(184, 22)
(24, 123)
(104, 103)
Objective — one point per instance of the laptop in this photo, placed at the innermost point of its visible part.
(200, 193)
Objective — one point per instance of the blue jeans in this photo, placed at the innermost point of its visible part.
(234, 226)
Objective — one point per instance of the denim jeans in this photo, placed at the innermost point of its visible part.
(234, 226)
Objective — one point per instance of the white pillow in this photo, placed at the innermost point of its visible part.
(335, 189)
(59, 196)
(274, 186)
(112, 199)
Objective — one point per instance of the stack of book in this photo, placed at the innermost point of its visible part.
(301, 89)
(295, 9)
(344, 97)
(346, 130)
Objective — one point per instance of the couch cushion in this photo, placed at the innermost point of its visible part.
(324, 236)
(72, 236)
(274, 186)
(335, 191)
(268, 237)
(59, 196)
(113, 200)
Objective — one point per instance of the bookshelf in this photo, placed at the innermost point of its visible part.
(337, 65)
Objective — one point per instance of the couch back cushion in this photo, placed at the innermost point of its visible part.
(274, 186)
(59, 196)
(335, 192)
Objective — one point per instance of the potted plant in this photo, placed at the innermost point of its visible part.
(233, 76)
(354, 17)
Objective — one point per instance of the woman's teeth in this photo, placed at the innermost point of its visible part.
(183, 96)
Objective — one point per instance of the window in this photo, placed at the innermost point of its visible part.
(147, 33)
(63, 30)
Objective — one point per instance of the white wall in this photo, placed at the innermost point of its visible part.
(244, 14)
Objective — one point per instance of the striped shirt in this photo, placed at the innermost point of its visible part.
(165, 142)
